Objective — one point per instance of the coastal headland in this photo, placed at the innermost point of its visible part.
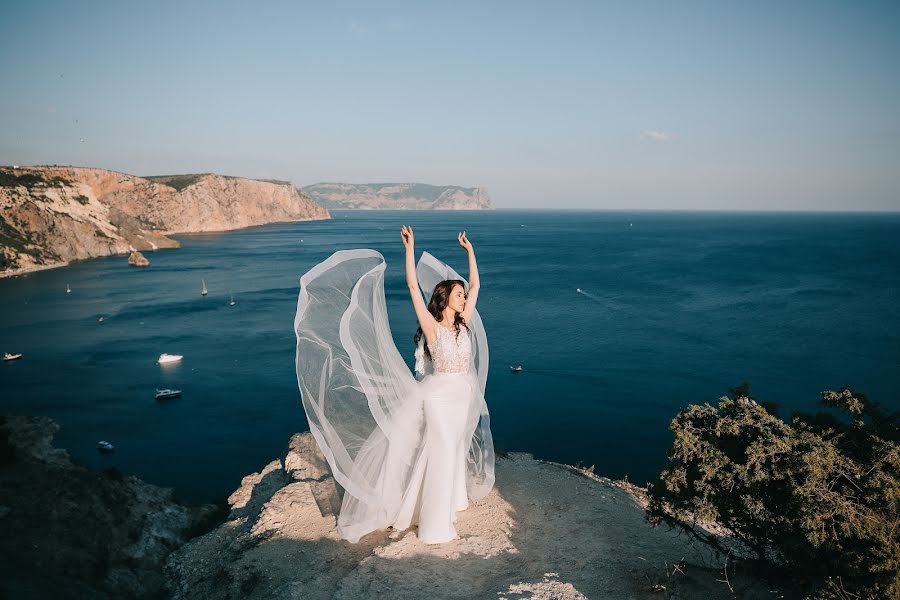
(51, 215)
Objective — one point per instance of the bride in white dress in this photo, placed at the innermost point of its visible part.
(406, 450)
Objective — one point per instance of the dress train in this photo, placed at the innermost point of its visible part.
(404, 450)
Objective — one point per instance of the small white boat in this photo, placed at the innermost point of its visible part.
(68, 289)
(167, 393)
(100, 319)
(169, 358)
(8, 356)
(232, 302)
(204, 291)
(104, 446)
(516, 369)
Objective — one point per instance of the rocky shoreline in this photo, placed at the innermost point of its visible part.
(546, 530)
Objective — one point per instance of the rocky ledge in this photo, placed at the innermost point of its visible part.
(546, 530)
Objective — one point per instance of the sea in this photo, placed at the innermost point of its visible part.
(618, 319)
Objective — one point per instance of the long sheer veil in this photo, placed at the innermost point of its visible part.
(362, 402)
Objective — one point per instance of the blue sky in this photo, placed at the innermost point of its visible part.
(714, 105)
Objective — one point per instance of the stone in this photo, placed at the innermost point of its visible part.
(136, 259)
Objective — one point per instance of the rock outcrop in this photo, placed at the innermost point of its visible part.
(51, 215)
(545, 531)
(136, 259)
(66, 531)
(398, 196)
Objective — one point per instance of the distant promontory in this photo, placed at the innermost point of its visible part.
(398, 196)
(50, 215)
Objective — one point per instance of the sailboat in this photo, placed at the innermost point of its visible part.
(68, 289)
(231, 302)
(204, 291)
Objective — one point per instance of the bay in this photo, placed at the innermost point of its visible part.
(673, 308)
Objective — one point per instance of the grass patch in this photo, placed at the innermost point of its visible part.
(179, 182)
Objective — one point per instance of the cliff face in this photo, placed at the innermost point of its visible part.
(219, 203)
(398, 196)
(51, 215)
(66, 531)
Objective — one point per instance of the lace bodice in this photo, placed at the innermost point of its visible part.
(451, 354)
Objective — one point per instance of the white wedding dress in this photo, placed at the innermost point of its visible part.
(406, 451)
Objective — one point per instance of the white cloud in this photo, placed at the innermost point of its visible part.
(654, 136)
(355, 27)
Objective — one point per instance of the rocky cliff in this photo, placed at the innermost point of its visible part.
(399, 196)
(545, 531)
(68, 532)
(51, 215)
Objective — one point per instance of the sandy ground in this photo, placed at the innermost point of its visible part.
(546, 530)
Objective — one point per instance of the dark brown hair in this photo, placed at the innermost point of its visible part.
(440, 297)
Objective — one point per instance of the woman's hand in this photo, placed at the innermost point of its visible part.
(464, 241)
(406, 234)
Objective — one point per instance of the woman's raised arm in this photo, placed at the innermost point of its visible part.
(426, 320)
(474, 282)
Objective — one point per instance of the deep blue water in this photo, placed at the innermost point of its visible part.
(677, 307)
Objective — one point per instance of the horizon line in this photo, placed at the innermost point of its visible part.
(641, 209)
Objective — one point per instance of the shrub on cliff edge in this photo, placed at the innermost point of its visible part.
(819, 495)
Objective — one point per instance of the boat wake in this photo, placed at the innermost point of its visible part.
(589, 295)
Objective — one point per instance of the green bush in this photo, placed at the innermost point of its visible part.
(818, 497)
(82, 199)
(11, 237)
(10, 179)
